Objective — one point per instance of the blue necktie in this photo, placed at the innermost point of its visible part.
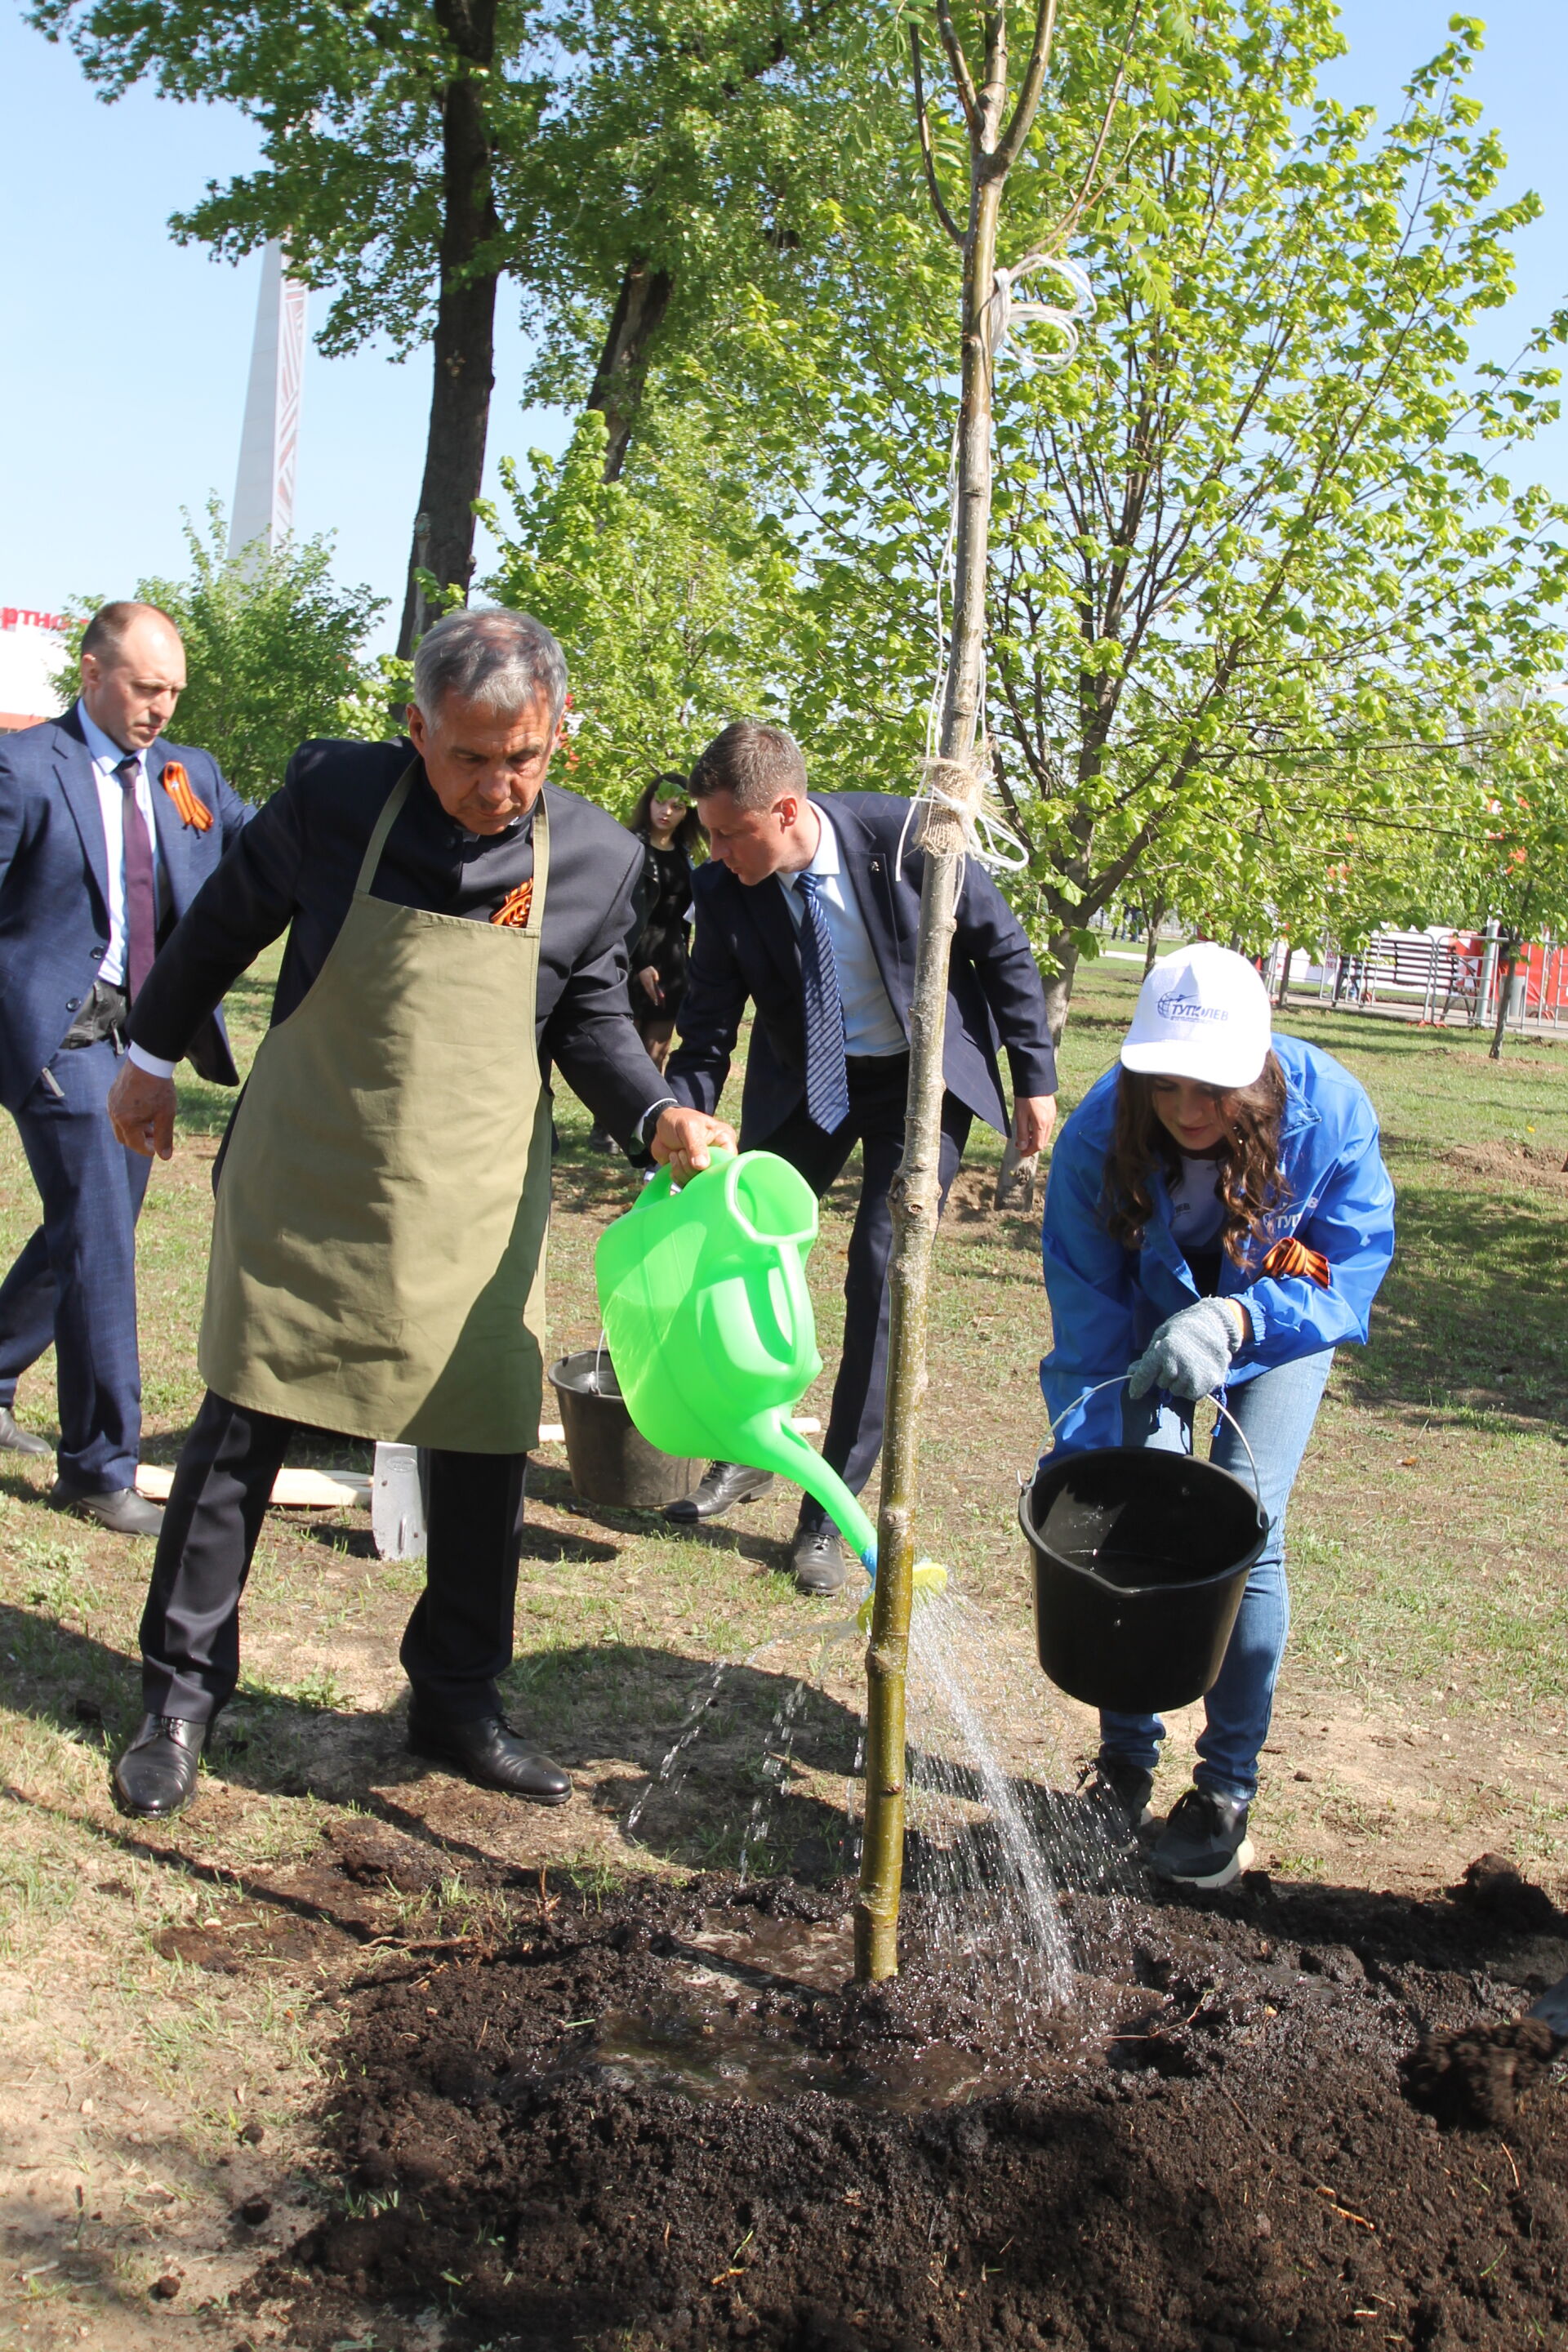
(826, 1080)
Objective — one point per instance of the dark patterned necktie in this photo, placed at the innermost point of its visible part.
(826, 1080)
(141, 892)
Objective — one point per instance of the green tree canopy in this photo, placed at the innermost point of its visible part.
(630, 166)
(671, 591)
(1259, 528)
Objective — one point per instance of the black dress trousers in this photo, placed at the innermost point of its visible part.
(459, 1641)
(878, 1088)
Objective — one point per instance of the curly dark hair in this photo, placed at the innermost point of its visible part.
(1250, 1183)
(690, 834)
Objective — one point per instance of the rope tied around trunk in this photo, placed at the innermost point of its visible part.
(954, 819)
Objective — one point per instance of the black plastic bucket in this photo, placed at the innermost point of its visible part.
(1140, 1559)
(608, 1461)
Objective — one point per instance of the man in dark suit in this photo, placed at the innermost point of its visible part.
(107, 833)
(456, 926)
(803, 910)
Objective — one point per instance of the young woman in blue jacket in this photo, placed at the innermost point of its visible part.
(1218, 1217)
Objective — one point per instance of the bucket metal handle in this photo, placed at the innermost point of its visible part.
(1119, 1379)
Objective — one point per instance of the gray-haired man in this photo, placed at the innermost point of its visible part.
(454, 926)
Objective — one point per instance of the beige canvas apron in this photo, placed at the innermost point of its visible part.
(378, 1247)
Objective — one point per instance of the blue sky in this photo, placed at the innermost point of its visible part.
(126, 354)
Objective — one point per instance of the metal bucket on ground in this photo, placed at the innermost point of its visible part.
(1140, 1557)
(608, 1461)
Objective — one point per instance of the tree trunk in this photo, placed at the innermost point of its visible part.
(1511, 963)
(1015, 1179)
(1063, 952)
(617, 387)
(914, 1194)
(1152, 945)
(464, 345)
(1283, 997)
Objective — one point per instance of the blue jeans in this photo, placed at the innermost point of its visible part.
(1276, 1411)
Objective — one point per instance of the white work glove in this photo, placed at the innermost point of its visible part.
(1190, 1353)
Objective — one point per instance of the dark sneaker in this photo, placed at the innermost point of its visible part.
(1204, 1841)
(1120, 1790)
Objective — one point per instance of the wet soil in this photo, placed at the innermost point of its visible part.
(667, 2119)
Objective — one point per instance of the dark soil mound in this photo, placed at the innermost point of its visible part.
(1480, 2077)
(1493, 1886)
(666, 2122)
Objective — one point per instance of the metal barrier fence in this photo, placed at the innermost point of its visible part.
(1447, 973)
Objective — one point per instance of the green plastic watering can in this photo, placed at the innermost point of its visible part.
(709, 1323)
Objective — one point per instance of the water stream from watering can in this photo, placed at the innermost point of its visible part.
(994, 1825)
(978, 1849)
(669, 1772)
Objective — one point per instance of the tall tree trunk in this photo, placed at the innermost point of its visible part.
(914, 1195)
(1154, 916)
(464, 346)
(1505, 985)
(1063, 950)
(1284, 995)
(617, 387)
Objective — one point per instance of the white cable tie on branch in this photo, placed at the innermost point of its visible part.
(1005, 311)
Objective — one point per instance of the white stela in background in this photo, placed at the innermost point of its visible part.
(263, 487)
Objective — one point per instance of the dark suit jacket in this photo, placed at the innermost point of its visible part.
(747, 946)
(54, 889)
(294, 869)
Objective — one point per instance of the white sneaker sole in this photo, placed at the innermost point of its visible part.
(1239, 1861)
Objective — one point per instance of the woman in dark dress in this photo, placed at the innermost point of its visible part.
(665, 819)
(666, 822)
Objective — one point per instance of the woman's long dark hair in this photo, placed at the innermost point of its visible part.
(690, 833)
(1248, 1165)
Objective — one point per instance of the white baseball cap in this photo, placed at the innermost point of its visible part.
(1202, 1013)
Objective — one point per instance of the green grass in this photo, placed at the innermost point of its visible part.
(1428, 1547)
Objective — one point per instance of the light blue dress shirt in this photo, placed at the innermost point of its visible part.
(870, 1025)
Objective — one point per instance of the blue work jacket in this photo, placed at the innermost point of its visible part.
(1107, 1301)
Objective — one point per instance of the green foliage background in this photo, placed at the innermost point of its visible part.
(274, 654)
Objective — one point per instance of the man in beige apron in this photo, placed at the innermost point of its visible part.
(454, 926)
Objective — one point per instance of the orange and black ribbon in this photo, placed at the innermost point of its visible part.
(193, 812)
(512, 912)
(1290, 1256)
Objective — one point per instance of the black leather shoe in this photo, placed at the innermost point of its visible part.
(157, 1773)
(123, 1511)
(488, 1752)
(817, 1560)
(13, 1439)
(726, 1483)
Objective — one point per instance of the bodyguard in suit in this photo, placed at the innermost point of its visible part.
(803, 908)
(107, 833)
(456, 925)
